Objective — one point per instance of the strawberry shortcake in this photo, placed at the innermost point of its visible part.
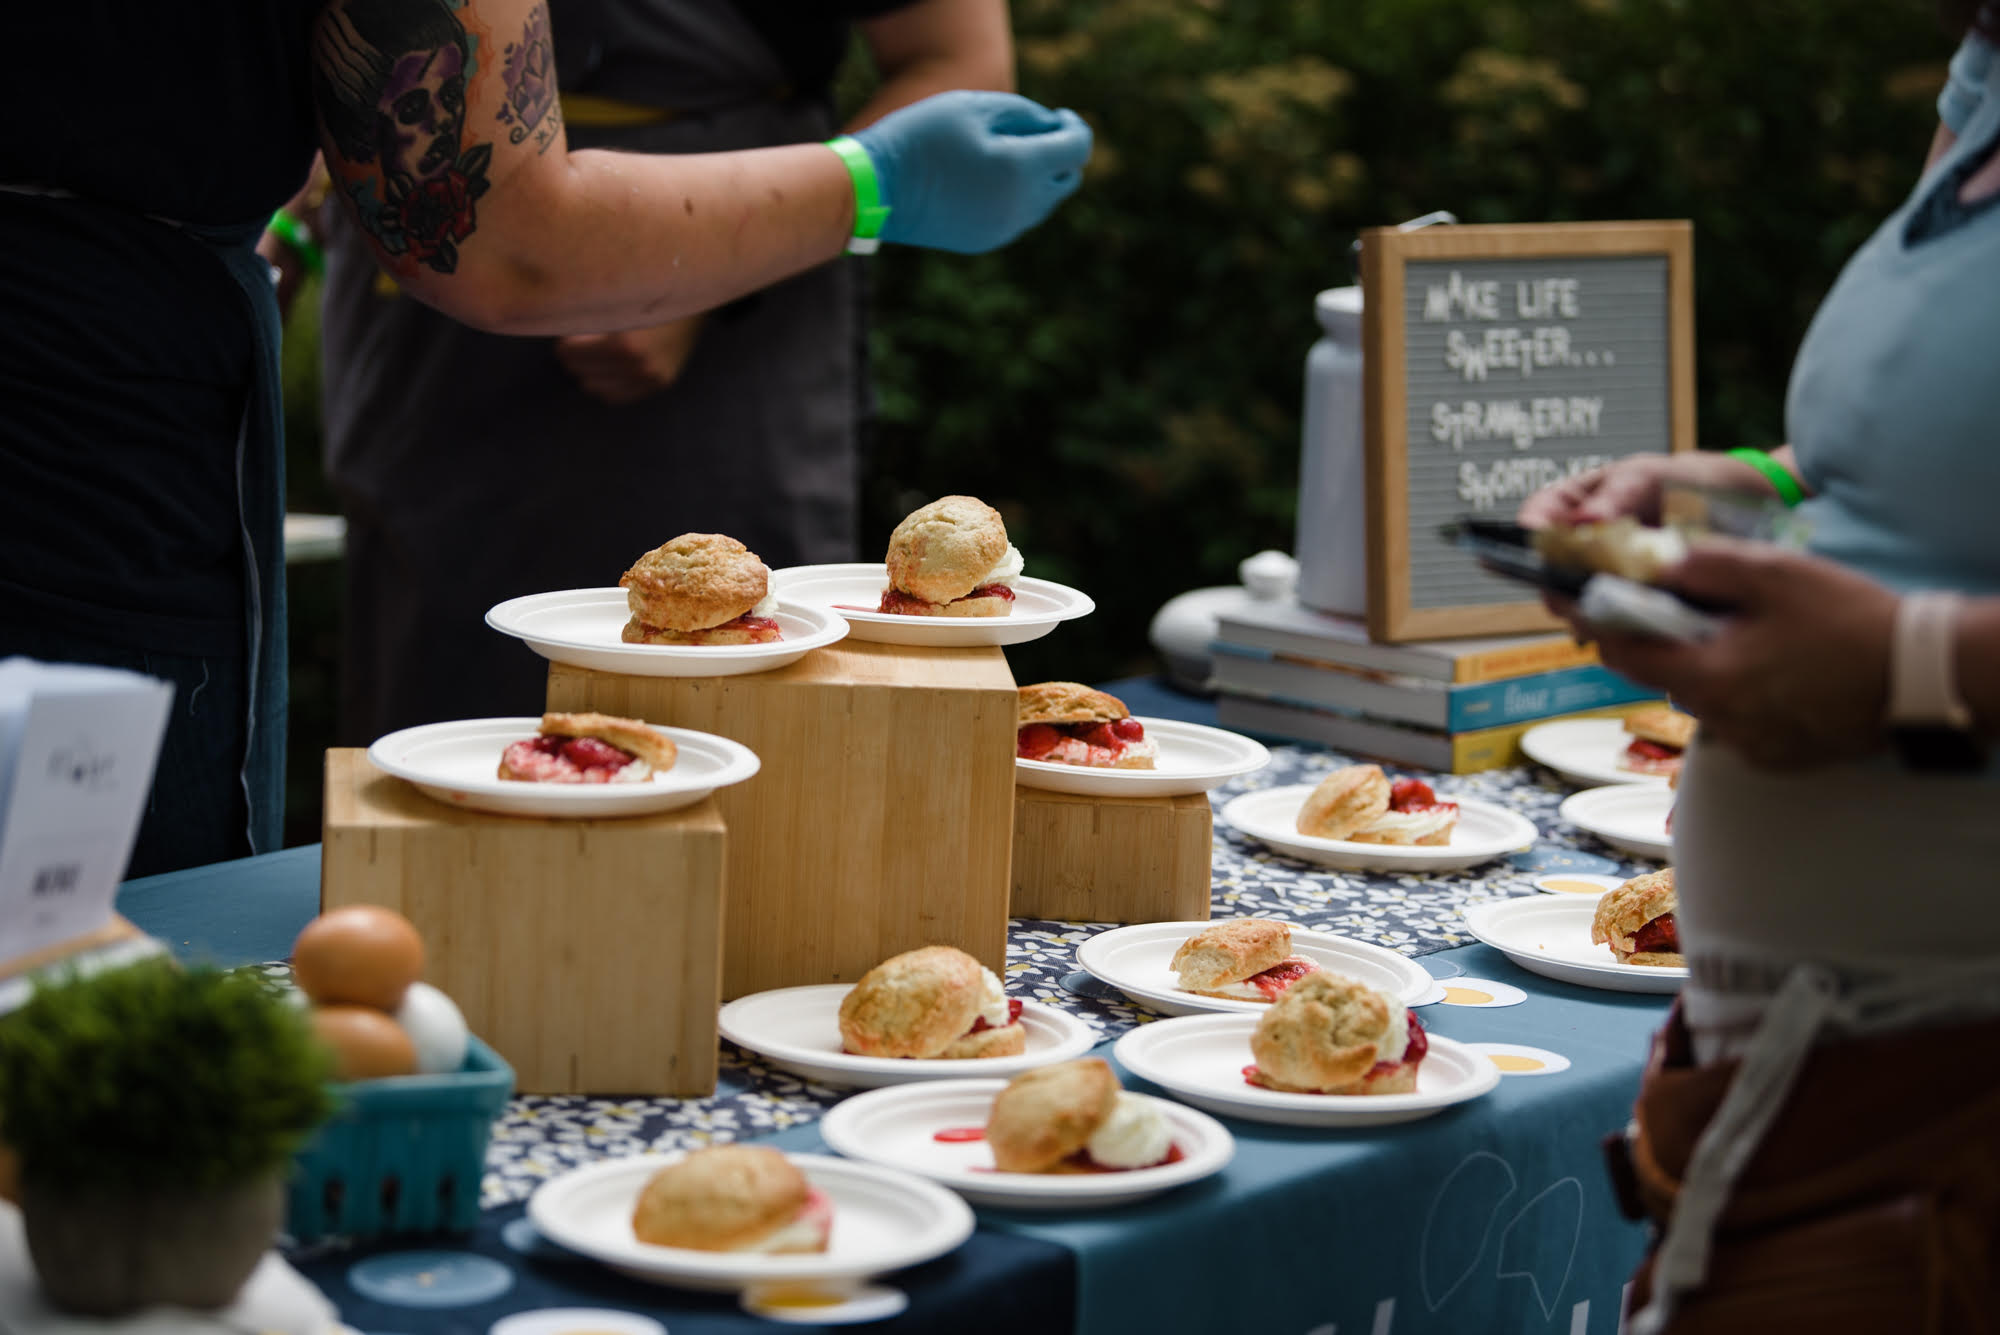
(700, 588)
(589, 748)
(1243, 959)
(1359, 803)
(1329, 1034)
(1066, 723)
(951, 558)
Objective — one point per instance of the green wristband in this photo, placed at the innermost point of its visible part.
(294, 234)
(1788, 488)
(870, 213)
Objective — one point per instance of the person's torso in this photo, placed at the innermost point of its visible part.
(698, 55)
(125, 347)
(1894, 397)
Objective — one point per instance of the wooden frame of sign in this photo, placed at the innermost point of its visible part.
(1497, 359)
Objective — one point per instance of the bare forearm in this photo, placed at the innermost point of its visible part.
(597, 241)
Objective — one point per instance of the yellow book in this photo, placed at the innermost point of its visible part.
(1399, 744)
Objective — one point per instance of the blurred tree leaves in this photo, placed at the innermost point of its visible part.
(1125, 382)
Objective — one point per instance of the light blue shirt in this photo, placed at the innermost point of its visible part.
(1894, 405)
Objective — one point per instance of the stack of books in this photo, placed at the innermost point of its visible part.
(1455, 706)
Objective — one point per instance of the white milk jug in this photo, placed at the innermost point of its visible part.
(1332, 537)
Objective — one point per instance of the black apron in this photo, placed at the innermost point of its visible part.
(472, 468)
(259, 476)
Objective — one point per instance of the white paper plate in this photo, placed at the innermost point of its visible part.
(1630, 816)
(1585, 751)
(1201, 1058)
(580, 627)
(883, 1220)
(1550, 935)
(1137, 961)
(1484, 832)
(798, 1028)
(896, 1127)
(1192, 759)
(458, 763)
(854, 590)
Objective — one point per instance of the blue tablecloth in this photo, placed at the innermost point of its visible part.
(1492, 1217)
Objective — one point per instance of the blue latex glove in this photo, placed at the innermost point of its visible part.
(969, 171)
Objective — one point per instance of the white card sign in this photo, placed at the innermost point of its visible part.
(77, 750)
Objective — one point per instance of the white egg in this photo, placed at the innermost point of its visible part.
(436, 1028)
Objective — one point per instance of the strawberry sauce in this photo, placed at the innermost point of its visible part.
(567, 759)
(982, 1024)
(1094, 743)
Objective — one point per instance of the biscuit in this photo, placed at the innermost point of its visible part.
(1621, 912)
(1323, 1035)
(720, 1198)
(1657, 959)
(1345, 801)
(1662, 725)
(630, 735)
(1007, 1040)
(1621, 546)
(638, 632)
(943, 551)
(1057, 702)
(916, 1004)
(1049, 1113)
(1229, 952)
(693, 582)
(1425, 826)
(992, 606)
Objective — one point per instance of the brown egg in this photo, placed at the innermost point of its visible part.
(366, 1043)
(360, 955)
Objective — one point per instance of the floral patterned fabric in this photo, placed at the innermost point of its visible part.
(541, 1136)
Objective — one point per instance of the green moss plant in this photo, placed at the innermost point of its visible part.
(155, 1079)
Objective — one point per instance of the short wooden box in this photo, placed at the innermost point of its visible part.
(881, 819)
(1111, 859)
(586, 952)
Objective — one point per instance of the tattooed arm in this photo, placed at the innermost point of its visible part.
(442, 132)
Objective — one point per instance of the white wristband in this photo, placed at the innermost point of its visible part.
(1922, 663)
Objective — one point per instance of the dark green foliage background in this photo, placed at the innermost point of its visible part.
(1126, 381)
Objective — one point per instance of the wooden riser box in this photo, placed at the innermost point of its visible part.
(1112, 859)
(882, 818)
(586, 952)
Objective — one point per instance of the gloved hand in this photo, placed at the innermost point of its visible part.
(969, 171)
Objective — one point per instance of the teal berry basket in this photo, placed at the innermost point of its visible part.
(403, 1155)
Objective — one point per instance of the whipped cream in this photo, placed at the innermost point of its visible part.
(1396, 1041)
(638, 771)
(1145, 746)
(806, 1232)
(1008, 567)
(1406, 827)
(1134, 1136)
(992, 999)
(766, 606)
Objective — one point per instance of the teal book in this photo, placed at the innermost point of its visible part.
(1426, 703)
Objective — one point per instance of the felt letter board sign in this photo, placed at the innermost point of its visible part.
(1499, 359)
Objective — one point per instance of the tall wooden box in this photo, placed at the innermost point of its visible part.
(881, 819)
(1111, 859)
(588, 953)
